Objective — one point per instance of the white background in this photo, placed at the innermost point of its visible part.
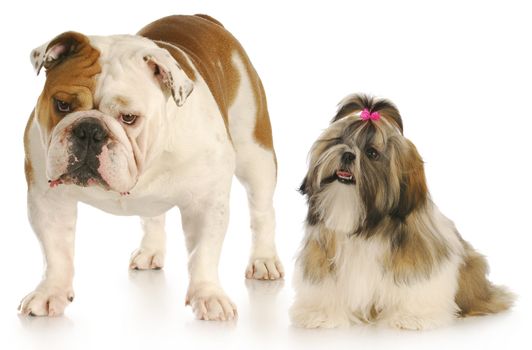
(460, 73)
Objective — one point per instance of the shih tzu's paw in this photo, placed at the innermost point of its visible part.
(210, 303)
(146, 259)
(261, 268)
(417, 323)
(316, 318)
(46, 301)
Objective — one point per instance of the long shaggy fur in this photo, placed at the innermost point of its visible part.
(377, 249)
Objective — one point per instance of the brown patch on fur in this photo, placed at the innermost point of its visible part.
(211, 49)
(368, 316)
(415, 250)
(72, 78)
(374, 313)
(476, 294)
(209, 18)
(317, 256)
(263, 128)
(28, 169)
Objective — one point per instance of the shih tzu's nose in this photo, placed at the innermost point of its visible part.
(348, 157)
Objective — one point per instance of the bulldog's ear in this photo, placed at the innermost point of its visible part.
(56, 50)
(170, 75)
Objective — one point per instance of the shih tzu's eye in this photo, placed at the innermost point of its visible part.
(128, 119)
(62, 106)
(372, 153)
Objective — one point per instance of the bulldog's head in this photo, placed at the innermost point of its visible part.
(103, 106)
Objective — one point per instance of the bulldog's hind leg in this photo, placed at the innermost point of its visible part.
(150, 254)
(256, 168)
(53, 218)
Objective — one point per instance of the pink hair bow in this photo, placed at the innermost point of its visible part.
(366, 115)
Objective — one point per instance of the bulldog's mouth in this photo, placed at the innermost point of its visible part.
(82, 176)
(345, 177)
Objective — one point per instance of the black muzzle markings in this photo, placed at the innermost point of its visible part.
(87, 139)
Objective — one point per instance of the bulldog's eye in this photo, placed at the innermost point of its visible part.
(372, 153)
(128, 119)
(62, 106)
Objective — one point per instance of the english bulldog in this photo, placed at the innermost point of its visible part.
(139, 124)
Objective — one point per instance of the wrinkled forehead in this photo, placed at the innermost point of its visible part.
(122, 68)
(76, 72)
(116, 46)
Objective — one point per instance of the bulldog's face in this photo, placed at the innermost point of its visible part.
(103, 107)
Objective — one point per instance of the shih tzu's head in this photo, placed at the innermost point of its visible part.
(363, 170)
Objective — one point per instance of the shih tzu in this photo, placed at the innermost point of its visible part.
(376, 248)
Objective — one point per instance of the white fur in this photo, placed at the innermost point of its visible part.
(361, 282)
(256, 170)
(339, 207)
(53, 218)
(173, 146)
(150, 254)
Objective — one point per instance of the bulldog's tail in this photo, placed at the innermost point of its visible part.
(210, 19)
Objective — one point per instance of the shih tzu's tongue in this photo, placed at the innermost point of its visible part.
(344, 175)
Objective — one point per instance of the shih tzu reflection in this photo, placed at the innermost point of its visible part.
(376, 248)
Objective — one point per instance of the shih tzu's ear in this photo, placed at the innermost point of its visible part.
(58, 49)
(303, 189)
(313, 216)
(169, 74)
(413, 185)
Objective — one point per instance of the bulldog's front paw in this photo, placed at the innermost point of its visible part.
(210, 303)
(146, 259)
(265, 268)
(46, 301)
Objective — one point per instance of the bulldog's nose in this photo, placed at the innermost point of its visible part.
(348, 157)
(91, 130)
